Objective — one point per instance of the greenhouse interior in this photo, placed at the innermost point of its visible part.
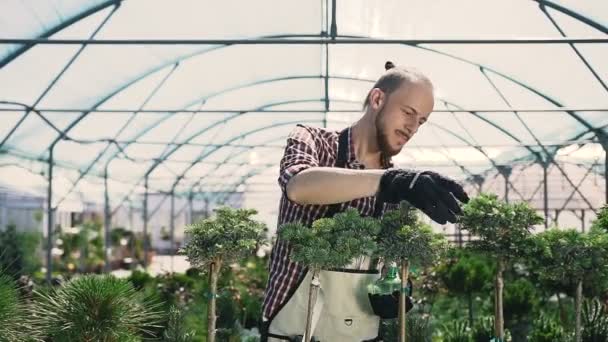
(146, 148)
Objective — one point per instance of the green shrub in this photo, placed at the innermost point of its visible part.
(456, 331)
(19, 251)
(176, 330)
(594, 322)
(547, 329)
(96, 308)
(14, 318)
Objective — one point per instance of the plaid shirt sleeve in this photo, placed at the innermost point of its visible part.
(300, 154)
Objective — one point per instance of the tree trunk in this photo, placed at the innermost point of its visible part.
(312, 300)
(499, 326)
(578, 300)
(470, 299)
(562, 311)
(214, 268)
(405, 265)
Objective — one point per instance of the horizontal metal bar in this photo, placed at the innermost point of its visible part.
(233, 110)
(279, 146)
(300, 41)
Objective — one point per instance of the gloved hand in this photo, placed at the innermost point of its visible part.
(434, 194)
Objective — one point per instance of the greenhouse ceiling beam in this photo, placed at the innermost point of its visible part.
(310, 41)
(181, 58)
(573, 14)
(235, 110)
(204, 51)
(547, 154)
(578, 186)
(54, 81)
(149, 97)
(233, 156)
(430, 50)
(517, 82)
(457, 136)
(74, 19)
(206, 153)
(574, 48)
(256, 83)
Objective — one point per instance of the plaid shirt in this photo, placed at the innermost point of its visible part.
(306, 147)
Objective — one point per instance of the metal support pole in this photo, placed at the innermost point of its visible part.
(191, 207)
(605, 146)
(505, 171)
(479, 180)
(583, 220)
(145, 218)
(106, 223)
(50, 219)
(545, 192)
(172, 224)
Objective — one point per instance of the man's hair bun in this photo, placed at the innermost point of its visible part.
(388, 65)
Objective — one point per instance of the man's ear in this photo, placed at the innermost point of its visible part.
(378, 98)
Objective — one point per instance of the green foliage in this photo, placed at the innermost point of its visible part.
(229, 236)
(140, 279)
(404, 236)
(418, 329)
(563, 255)
(594, 322)
(14, 318)
(547, 329)
(176, 331)
(601, 221)
(457, 331)
(83, 250)
(465, 271)
(503, 228)
(483, 330)
(96, 308)
(18, 251)
(521, 299)
(331, 242)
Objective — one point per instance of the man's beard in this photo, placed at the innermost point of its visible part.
(382, 138)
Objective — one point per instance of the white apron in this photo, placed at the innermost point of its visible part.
(342, 311)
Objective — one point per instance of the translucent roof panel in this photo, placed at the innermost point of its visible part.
(204, 101)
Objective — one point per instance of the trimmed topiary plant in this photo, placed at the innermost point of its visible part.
(405, 239)
(570, 256)
(329, 243)
(503, 230)
(227, 237)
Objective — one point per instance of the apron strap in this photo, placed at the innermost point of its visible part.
(341, 160)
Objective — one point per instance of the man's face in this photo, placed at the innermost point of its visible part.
(401, 114)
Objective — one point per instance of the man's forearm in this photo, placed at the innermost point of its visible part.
(328, 185)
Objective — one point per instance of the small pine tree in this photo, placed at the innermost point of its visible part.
(503, 230)
(14, 316)
(96, 308)
(229, 236)
(404, 238)
(570, 256)
(329, 243)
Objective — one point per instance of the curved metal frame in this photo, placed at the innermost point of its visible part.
(483, 68)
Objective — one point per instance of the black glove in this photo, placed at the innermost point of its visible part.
(387, 305)
(428, 191)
